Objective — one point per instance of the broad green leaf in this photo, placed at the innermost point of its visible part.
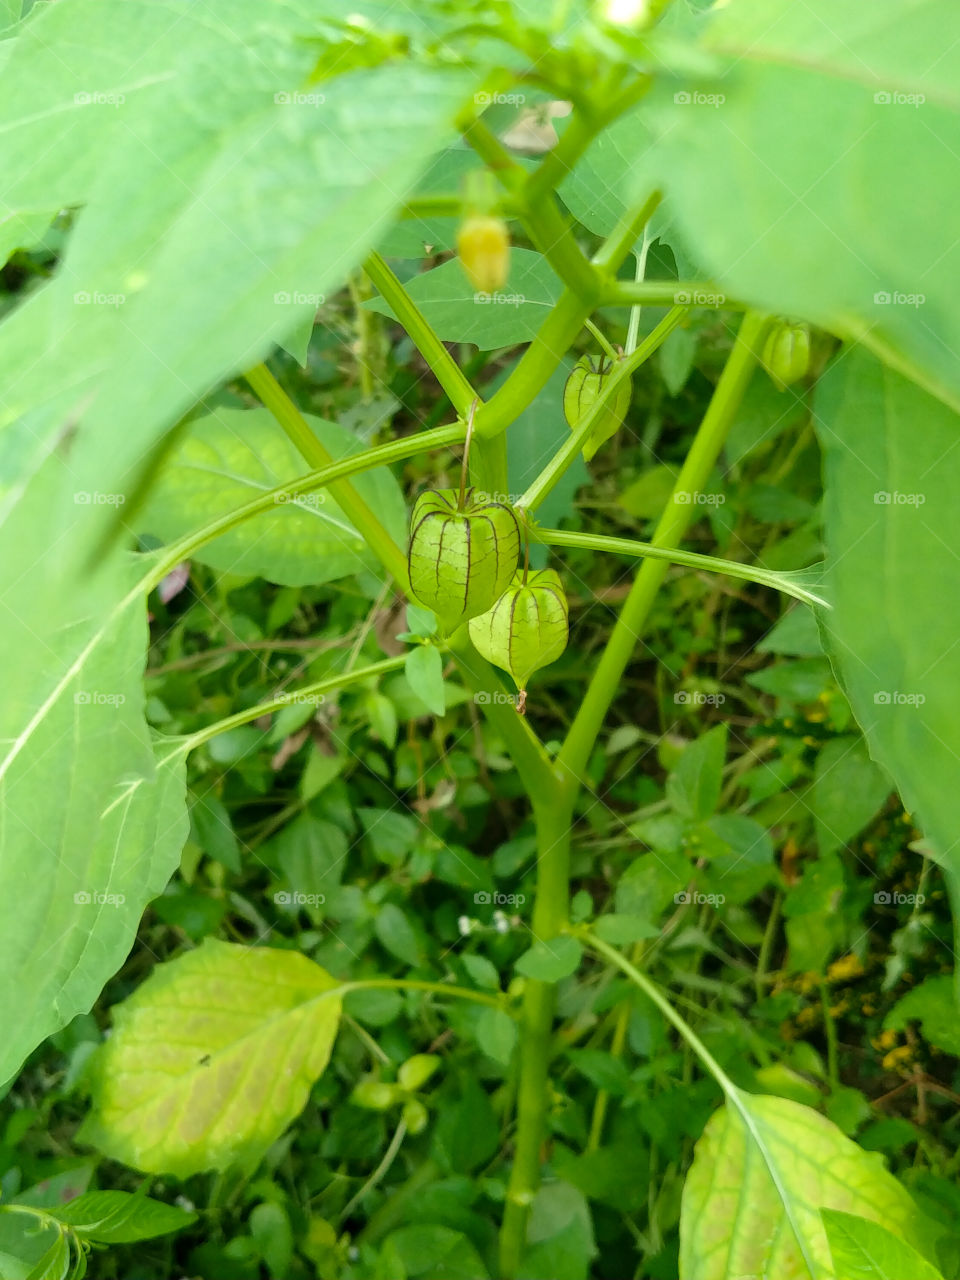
(497, 1034)
(815, 926)
(234, 455)
(560, 1241)
(297, 341)
(933, 1004)
(9, 13)
(412, 237)
(93, 821)
(55, 1263)
(620, 929)
(772, 169)
(888, 43)
(549, 961)
(864, 1250)
(458, 314)
(22, 1247)
(848, 790)
(740, 854)
(21, 231)
(693, 787)
(270, 1227)
(429, 1251)
(395, 932)
(67, 90)
(796, 634)
(482, 972)
(212, 831)
(762, 1171)
(60, 101)
(892, 519)
(651, 882)
(424, 671)
(312, 855)
(391, 834)
(189, 1079)
(115, 1217)
(601, 188)
(676, 358)
(305, 183)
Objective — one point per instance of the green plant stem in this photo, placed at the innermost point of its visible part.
(549, 229)
(675, 555)
(366, 327)
(601, 340)
(568, 451)
(273, 397)
(617, 1045)
(830, 1032)
(536, 1033)
(673, 524)
(445, 369)
(418, 984)
(558, 332)
(654, 993)
(308, 692)
(394, 451)
(535, 366)
(766, 947)
(736, 1099)
(623, 237)
(451, 206)
(689, 293)
(391, 1153)
(579, 133)
(394, 1210)
(633, 328)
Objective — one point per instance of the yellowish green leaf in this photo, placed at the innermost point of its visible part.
(212, 1058)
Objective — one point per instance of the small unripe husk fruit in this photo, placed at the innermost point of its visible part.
(460, 559)
(786, 353)
(527, 628)
(587, 378)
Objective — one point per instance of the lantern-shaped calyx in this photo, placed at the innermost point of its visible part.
(526, 629)
(463, 554)
(587, 378)
(786, 352)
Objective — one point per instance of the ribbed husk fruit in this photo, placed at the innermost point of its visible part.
(786, 353)
(483, 245)
(582, 389)
(460, 561)
(527, 628)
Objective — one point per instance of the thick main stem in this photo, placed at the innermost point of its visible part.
(536, 1035)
